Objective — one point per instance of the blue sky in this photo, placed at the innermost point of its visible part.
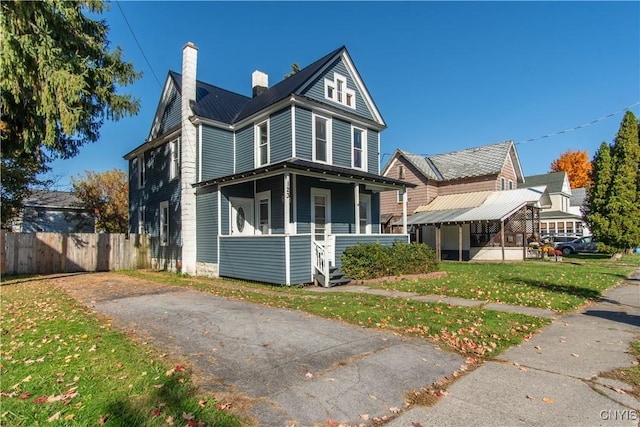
(445, 75)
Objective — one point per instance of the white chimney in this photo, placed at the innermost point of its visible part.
(188, 160)
(259, 83)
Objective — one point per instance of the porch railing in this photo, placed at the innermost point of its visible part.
(321, 261)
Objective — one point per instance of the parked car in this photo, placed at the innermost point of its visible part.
(582, 244)
(554, 240)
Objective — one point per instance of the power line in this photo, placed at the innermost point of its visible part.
(138, 43)
(584, 125)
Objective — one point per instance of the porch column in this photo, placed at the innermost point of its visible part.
(287, 203)
(502, 237)
(438, 243)
(404, 210)
(356, 206)
(459, 242)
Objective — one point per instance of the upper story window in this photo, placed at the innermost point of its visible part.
(358, 148)
(164, 223)
(321, 139)
(510, 185)
(502, 184)
(142, 171)
(262, 143)
(401, 173)
(336, 90)
(174, 153)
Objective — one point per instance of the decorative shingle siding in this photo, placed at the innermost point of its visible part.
(253, 258)
(207, 225)
(341, 143)
(300, 250)
(280, 130)
(316, 89)
(303, 134)
(418, 196)
(372, 152)
(171, 116)
(217, 152)
(244, 149)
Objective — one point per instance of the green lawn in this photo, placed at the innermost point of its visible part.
(559, 286)
(60, 364)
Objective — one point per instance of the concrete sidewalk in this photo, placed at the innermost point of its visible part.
(552, 380)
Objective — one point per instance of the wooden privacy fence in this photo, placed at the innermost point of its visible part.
(45, 253)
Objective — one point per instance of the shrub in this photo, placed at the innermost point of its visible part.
(372, 260)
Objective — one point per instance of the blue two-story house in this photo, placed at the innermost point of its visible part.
(271, 187)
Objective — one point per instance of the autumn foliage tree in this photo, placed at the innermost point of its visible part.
(107, 194)
(577, 166)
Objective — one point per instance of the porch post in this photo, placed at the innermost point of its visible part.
(404, 210)
(287, 203)
(356, 206)
(502, 237)
(460, 242)
(438, 243)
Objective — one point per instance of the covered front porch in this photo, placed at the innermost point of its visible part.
(289, 223)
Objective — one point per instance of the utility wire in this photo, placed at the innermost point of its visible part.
(138, 43)
(584, 125)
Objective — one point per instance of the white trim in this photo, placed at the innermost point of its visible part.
(258, 198)
(368, 227)
(389, 166)
(287, 203)
(244, 202)
(326, 193)
(174, 167)
(404, 211)
(219, 222)
(328, 132)
(363, 148)
(295, 203)
(258, 143)
(200, 152)
(293, 130)
(336, 112)
(142, 171)
(338, 91)
(356, 206)
(164, 218)
(379, 165)
(361, 87)
(234, 151)
(162, 107)
(287, 260)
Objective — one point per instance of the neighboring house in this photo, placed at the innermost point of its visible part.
(485, 168)
(54, 211)
(482, 225)
(557, 219)
(576, 202)
(270, 187)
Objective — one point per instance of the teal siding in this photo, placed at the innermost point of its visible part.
(217, 152)
(253, 258)
(300, 250)
(343, 242)
(239, 190)
(372, 152)
(303, 134)
(316, 90)
(244, 149)
(280, 134)
(341, 143)
(172, 114)
(276, 185)
(207, 225)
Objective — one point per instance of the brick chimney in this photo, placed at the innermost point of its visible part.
(259, 83)
(188, 165)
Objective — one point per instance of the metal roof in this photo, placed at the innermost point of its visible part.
(455, 201)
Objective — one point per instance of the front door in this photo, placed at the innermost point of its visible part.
(320, 214)
(241, 216)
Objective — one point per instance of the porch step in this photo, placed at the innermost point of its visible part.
(336, 278)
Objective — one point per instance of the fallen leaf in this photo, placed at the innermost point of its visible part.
(69, 417)
(169, 420)
(24, 395)
(529, 397)
(156, 412)
(41, 399)
(103, 419)
(54, 417)
(394, 410)
(202, 403)
(547, 400)
(371, 396)
(187, 416)
(523, 369)
(537, 347)
(365, 417)
(415, 424)
(575, 355)
(309, 375)
(619, 390)
(179, 368)
(224, 406)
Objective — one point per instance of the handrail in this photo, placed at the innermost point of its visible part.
(320, 261)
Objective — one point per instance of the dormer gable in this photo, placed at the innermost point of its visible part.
(168, 112)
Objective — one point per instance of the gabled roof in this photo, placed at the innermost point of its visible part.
(554, 181)
(471, 162)
(53, 199)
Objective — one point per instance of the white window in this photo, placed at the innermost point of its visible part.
(338, 91)
(510, 185)
(164, 223)
(502, 184)
(142, 171)
(241, 216)
(358, 148)
(321, 139)
(399, 196)
(365, 214)
(141, 220)
(320, 214)
(262, 143)
(174, 153)
(263, 212)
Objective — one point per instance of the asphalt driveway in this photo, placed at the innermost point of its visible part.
(297, 369)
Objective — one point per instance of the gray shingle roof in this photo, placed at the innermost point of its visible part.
(422, 164)
(229, 107)
(553, 181)
(53, 199)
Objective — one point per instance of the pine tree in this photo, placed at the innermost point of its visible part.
(613, 211)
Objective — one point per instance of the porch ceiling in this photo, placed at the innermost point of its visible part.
(328, 172)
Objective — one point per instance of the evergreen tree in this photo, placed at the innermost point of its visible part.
(613, 211)
(58, 83)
